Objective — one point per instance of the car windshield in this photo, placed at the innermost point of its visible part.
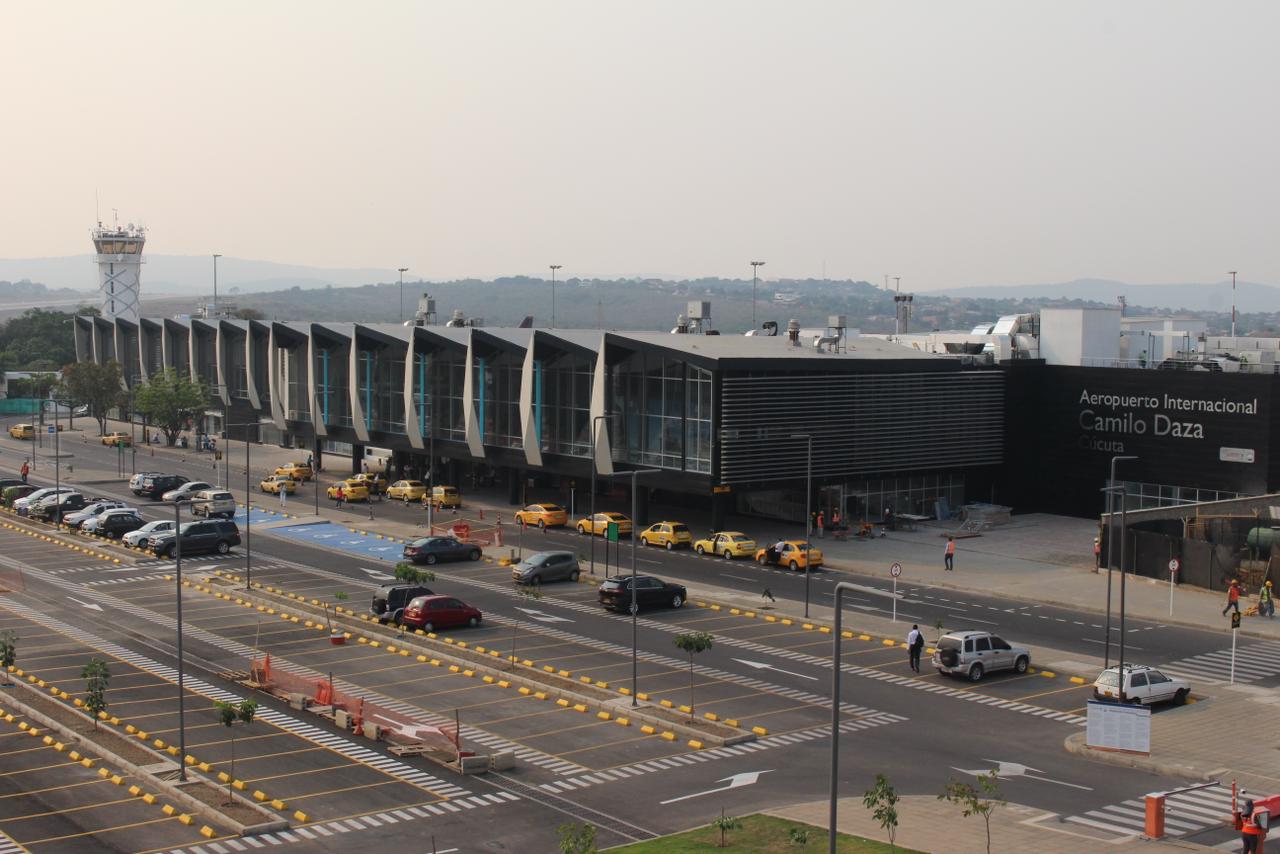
(538, 560)
(949, 643)
(1109, 679)
(552, 508)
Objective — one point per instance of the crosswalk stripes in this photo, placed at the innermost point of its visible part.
(9, 846)
(313, 832)
(582, 781)
(339, 745)
(1185, 812)
(102, 582)
(1254, 661)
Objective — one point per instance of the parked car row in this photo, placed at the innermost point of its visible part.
(205, 498)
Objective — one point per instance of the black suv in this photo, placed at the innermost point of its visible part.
(615, 593)
(63, 505)
(389, 600)
(155, 487)
(215, 535)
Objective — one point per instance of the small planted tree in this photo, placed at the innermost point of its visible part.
(981, 799)
(228, 714)
(693, 643)
(798, 836)
(407, 573)
(528, 593)
(96, 676)
(577, 838)
(882, 800)
(335, 635)
(724, 824)
(8, 654)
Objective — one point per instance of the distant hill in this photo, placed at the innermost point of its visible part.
(1215, 296)
(190, 275)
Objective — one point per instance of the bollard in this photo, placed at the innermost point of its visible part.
(1154, 826)
(481, 514)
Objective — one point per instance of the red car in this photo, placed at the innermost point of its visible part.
(432, 613)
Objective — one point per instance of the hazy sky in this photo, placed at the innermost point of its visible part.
(949, 143)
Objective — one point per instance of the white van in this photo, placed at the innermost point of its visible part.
(213, 502)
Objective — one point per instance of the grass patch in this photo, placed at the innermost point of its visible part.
(764, 834)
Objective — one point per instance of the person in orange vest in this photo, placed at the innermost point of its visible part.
(1233, 597)
(822, 526)
(1250, 832)
(949, 554)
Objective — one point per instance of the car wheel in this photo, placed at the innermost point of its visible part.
(397, 617)
(677, 600)
(474, 554)
(223, 547)
(405, 498)
(581, 530)
(428, 627)
(763, 559)
(573, 576)
(535, 581)
(473, 622)
(431, 559)
(728, 555)
(1181, 697)
(542, 524)
(168, 553)
(670, 545)
(794, 566)
(975, 672)
(1020, 666)
(699, 549)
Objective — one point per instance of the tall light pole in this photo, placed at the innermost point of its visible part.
(182, 720)
(635, 608)
(1233, 305)
(215, 285)
(431, 458)
(841, 587)
(755, 269)
(1111, 490)
(248, 497)
(592, 509)
(554, 267)
(402, 271)
(808, 517)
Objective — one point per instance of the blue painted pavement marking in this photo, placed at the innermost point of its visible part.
(339, 537)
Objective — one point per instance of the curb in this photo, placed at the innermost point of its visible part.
(1074, 744)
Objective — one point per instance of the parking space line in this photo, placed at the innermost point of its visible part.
(114, 829)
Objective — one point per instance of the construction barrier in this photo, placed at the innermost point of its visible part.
(468, 532)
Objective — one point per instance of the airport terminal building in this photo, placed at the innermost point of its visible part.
(1027, 414)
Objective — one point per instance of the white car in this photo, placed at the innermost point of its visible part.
(136, 482)
(187, 491)
(1143, 686)
(136, 538)
(24, 505)
(79, 518)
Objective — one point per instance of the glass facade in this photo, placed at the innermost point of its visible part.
(380, 388)
(664, 412)
(237, 369)
(562, 397)
(445, 380)
(499, 400)
(331, 385)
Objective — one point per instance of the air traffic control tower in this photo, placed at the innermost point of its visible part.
(119, 259)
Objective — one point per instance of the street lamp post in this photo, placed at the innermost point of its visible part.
(592, 509)
(1111, 529)
(215, 284)
(248, 498)
(635, 608)
(808, 517)
(554, 267)
(1233, 305)
(431, 460)
(182, 720)
(836, 662)
(755, 269)
(402, 271)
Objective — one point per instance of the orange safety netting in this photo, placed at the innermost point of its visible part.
(467, 531)
(397, 727)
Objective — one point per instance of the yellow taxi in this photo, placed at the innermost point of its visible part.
(727, 544)
(114, 439)
(375, 480)
(297, 471)
(276, 483)
(444, 496)
(352, 490)
(599, 524)
(543, 515)
(793, 554)
(669, 535)
(23, 431)
(407, 490)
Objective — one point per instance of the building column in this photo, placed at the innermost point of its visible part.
(514, 478)
(317, 452)
(720, 510)
(357, 457)
(642, 508)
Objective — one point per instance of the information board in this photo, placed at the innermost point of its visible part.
(1124, 729)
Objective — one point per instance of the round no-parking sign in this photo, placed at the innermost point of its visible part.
(895, 570)
(1173, 566)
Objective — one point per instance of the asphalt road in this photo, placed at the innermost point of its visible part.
(920, 731)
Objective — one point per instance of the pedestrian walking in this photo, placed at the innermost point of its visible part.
(1233, 597)
(915, 643)
(1097, 553)
(338, 497)
(26, 470)
(284, 496)
(1266, 601)
(949, 554)
(822, 526)
(364, 466)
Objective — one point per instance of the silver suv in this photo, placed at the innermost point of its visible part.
(546, 566)
(974, 654)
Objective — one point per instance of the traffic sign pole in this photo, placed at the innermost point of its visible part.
(1235, 627)
(1173, 573)
(895, 571)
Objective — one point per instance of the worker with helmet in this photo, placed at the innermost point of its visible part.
(1266, 602)
(1233, 597)
(1250, 829)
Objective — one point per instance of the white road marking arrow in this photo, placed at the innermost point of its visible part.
(85, 604)
(737, 781)
(760, 665)
(1006, 770)
(377, 576)
(544, 618)
(324, 536)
